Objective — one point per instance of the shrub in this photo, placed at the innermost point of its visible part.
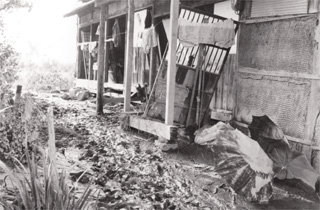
(50, 75)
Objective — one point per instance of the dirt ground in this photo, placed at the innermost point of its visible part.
(131, 171)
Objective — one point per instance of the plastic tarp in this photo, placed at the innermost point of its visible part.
(239, 160)
(287, 164)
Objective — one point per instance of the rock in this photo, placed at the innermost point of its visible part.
(55, 91)
(83, 95)
(66, 96)
(169, 147)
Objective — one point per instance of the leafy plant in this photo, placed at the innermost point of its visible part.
(44, 189)
(14, 127)
(47, 193)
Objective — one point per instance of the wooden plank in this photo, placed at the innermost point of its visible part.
(90, 70)
(168, 132)
(200, 83)
(313, 110)
(268, 19)
(193, 91)
(103, 2)
(153, 58)
(113, 100)
(78, 63)
(100, 73)
(106, 61)
(91, 85)
(171, 73)
(279, 73)
(129, 56)
(153, 66)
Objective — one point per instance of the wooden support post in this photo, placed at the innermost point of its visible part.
(18, 94)
(153, 66)
(153, 60)
(106, 57)
(129, 56)
(200, 61)
(101, 61)
(171, 73)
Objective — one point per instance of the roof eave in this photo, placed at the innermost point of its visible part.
(88, 5)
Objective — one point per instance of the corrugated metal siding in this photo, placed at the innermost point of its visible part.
(263, 8)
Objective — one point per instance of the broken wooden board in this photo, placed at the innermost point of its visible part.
(154, 127)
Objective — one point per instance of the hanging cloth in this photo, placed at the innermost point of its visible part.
(116, 34)
(149, 39)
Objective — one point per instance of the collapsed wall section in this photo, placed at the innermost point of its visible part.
(285, 101)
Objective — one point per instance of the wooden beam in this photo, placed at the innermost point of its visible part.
(102, 2)
(113, 100)
(279, 73)
(171, 73)
(153, 60)
(313, 111)
(106, 57)
(269, 19)
(100, 75)
(156, 128)
(129, 56)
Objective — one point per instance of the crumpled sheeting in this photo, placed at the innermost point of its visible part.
(221, 34)
(239, 160)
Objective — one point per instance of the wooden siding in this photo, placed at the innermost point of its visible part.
(224, 98)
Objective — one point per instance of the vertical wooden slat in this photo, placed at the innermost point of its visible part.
(171, 74)
(78, 63)
(90, 77)
(153, 59)
(106, 57)
(100, 75)
(129, 56)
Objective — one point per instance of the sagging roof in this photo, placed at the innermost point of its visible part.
(83, 7)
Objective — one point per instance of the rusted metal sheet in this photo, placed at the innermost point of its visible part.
(263, 8)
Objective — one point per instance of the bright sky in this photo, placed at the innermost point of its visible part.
(44, 33)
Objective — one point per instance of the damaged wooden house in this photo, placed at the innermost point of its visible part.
(267, 62)
(137, 52)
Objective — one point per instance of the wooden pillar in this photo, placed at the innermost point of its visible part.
(171, 73)
(153, 66)
(100, 75)
(129, 56)
(106, 57)
(153, 61)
